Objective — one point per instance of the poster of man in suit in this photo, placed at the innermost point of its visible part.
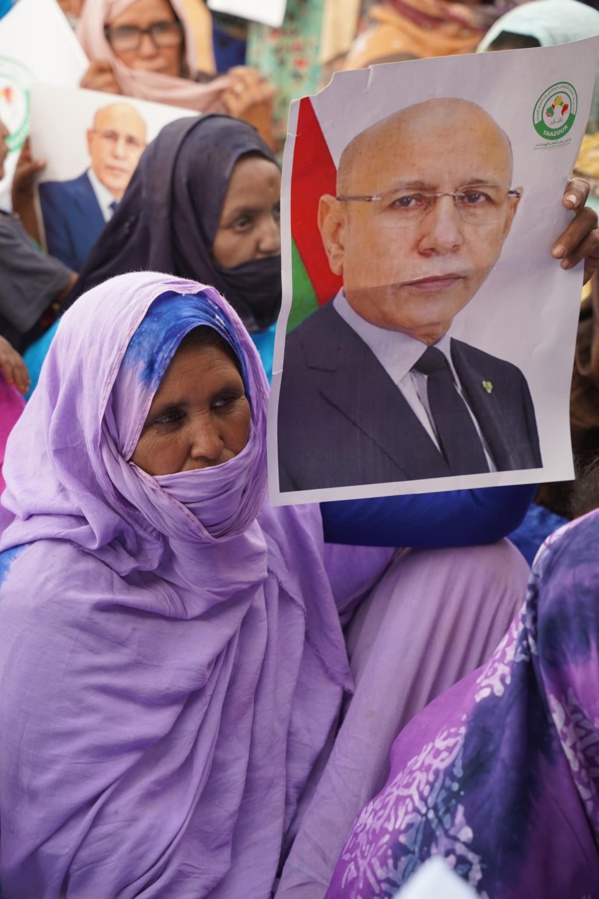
(75, 211)
(90, 157)
(413, 362)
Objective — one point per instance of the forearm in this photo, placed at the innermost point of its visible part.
(455, 518)
(25, 209)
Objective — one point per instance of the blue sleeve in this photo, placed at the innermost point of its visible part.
(455, 518)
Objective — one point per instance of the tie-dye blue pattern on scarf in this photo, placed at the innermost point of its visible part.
(170, 317)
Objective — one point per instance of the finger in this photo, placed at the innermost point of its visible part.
(21, 375)
(32, 168)
(576, 193)
(6, 364)
(577, 231)
(588, 250)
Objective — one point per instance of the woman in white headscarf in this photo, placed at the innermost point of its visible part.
(545, 23)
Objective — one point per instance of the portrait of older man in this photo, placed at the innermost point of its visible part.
(74, 212)
(374, 388)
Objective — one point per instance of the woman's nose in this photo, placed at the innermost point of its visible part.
(147, 47)
(270, 237)
(206, 442)
(442, 227)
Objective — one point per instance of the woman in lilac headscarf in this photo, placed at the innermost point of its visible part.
(172, 661)
(203, 203)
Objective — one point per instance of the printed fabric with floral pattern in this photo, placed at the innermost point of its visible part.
(500, 775)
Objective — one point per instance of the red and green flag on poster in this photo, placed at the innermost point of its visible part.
(314, 174)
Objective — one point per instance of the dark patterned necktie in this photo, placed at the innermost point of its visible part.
(456, 432)
(113, 206)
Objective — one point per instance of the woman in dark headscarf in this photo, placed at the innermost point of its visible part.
(202, 204)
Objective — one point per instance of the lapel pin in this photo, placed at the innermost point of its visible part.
(488, 385)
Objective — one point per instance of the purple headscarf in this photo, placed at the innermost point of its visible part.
(172, 662)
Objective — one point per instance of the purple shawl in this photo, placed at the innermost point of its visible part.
(500, 775)
(170, 672)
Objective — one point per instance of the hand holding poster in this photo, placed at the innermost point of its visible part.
(426, 337)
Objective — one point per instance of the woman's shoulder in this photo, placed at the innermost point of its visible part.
(34, 574)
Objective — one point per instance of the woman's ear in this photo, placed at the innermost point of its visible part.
(331, 224)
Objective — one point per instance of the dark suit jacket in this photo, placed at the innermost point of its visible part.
(72, 217)
(342, 421)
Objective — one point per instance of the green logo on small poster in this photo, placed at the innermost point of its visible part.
(15, 79)
(555, 111)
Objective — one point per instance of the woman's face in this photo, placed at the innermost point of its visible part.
(161, 51)
(199, 417)
(249, 221)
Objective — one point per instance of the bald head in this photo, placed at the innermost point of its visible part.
(425, 127)
(122, 116)
(115, 143)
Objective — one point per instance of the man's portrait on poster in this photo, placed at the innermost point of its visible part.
(375, 388)
(75, 211)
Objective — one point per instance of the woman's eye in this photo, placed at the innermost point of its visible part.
(170, 417)
(226, 401)
(243, 223)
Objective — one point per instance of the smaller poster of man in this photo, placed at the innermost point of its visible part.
(90, 160)
(75, 211)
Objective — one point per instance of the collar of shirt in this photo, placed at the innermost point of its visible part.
(103, 195)
(397, 352)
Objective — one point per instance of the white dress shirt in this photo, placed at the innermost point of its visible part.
(103, 195)
(397, 353)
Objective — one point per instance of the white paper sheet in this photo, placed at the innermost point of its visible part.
(36, 44)
(268, 12)
(436, 879)
(525, 313)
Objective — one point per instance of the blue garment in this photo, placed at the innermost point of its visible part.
(229, 51)
(5, 6)
(35, 354)
(264, 342)
(538, 523)
(454, 518)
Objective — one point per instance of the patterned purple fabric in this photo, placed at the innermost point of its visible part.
(500, 775)
(171, 657)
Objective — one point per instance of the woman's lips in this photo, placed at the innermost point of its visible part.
(435, 282)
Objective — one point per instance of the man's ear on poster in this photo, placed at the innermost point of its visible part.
(331, 224)
(513, 202)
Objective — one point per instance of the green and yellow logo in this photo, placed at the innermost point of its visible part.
(15, 79)
(555, 111)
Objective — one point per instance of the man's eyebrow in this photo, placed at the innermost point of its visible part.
(475, 181)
